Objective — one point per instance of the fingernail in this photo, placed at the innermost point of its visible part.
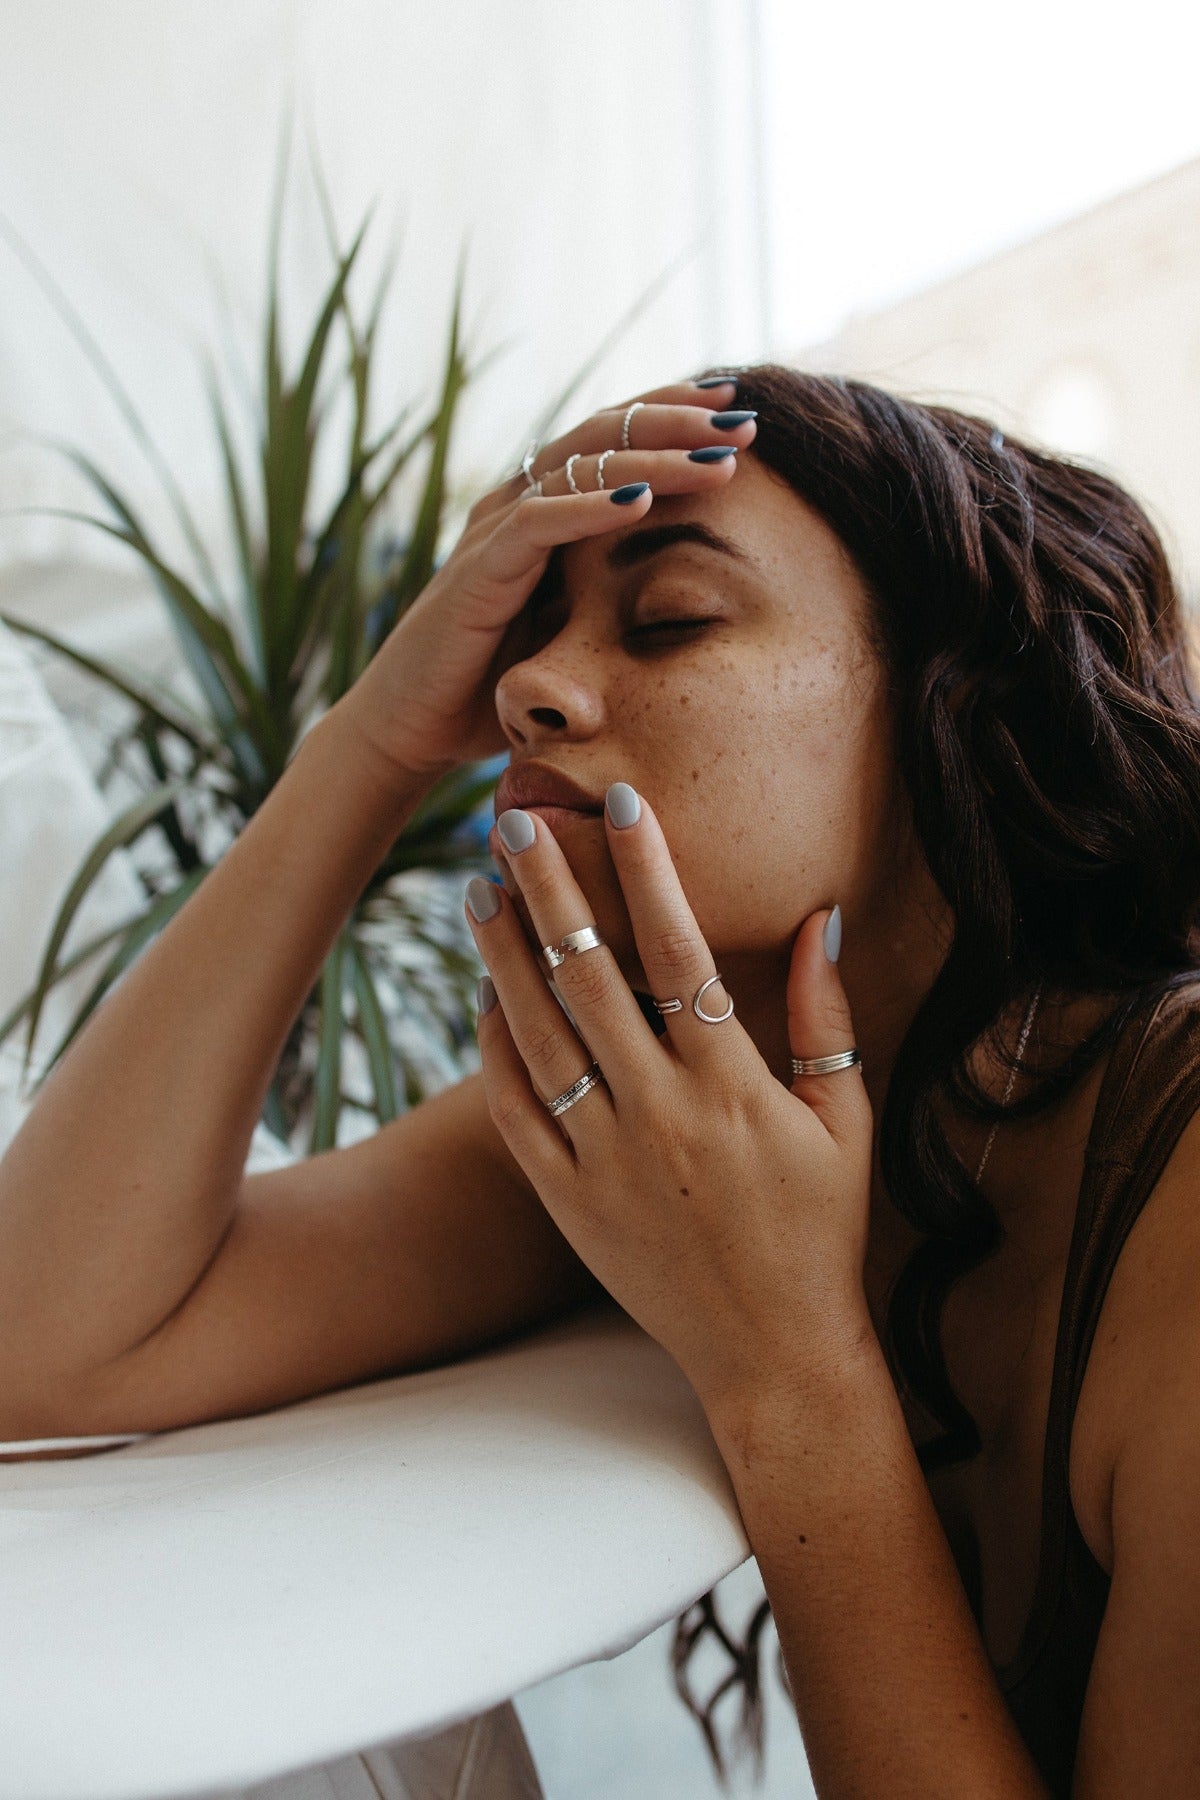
(717, 381)
(516, 830)
(485, 995)
(729, 421)
(624, 807)
(483, 898)
(712, 453)
(633, 490)
(831, 937)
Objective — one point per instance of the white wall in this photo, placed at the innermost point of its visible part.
(581, 150)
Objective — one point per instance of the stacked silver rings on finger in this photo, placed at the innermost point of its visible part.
(625, 444)
(592, 1078)
(574, 944)
(825, 1065)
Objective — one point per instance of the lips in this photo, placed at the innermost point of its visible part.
(537, 784)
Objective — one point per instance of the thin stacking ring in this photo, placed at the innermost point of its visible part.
(825, 1065)
(527, 465)
(570, 477)
(533, 490)
(592, 1078)
(625, 443)
(600, 468)
(574, 944)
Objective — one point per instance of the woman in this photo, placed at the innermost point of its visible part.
(888, 681)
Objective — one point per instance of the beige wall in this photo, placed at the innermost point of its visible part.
(1086, 338)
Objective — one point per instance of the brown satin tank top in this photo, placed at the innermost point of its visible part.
(1149, 1091)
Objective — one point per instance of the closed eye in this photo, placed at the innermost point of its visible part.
(671, 625)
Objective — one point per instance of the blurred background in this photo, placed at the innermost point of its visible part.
(999, 207)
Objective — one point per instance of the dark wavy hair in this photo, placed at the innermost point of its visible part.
(1048, 734)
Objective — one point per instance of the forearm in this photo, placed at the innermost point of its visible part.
(893, 1688)
(122, 1181)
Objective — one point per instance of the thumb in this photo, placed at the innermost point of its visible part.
(819, 1024)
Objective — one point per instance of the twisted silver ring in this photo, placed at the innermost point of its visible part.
(825, 1065)
(570, 477)
(574, 944)
(592, 1078)
(600, 468)
(527, 466)
(625, 443)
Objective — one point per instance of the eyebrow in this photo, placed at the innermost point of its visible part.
(638, 546)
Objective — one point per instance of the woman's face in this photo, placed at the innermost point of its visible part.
(761, 738)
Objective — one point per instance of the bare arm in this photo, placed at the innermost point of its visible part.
(120, 1187)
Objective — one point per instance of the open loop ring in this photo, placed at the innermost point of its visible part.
(625, 443)
(711, 1018)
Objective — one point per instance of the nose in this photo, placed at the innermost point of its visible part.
(552, 694)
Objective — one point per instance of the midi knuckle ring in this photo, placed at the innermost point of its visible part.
(604, 456)
(826, 1065)
(637, 405)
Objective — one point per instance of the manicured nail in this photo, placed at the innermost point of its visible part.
(729, 421)
(831, 937)
(483, 898)
(485, 995)
(633, 490)
(717, 381)
(516, 830)
(624, 807)
(712, 453)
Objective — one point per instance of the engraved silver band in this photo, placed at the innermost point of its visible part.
(825, 1065)
(592, 1078)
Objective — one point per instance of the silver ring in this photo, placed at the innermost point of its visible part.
(592, 1078)
(710, 1018)
(574, 944)
(600, 468)
(825, 1065)
(527, 466)
(570, 477)
(625, 443)
(666, 1006)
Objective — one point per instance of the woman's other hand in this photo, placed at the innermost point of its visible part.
(426, 700)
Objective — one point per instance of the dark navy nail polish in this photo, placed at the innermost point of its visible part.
(729, 421)
(633, 490)
(712, 453)
(717, 381)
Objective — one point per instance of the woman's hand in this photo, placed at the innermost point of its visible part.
(426, 699)
(725, 1211)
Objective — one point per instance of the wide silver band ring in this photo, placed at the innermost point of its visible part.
(625, 443)
(574, 944)
(825, 1065)
(600, 468)
(592, 1078)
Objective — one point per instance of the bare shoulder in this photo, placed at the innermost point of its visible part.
(1144, 1367)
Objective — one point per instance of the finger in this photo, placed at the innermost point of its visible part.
(517, 1109)
(551, 1049)
(671, 947)
(600, 1000)
(819, 1024)
(667, 471)
(522, 538)
(656, 425)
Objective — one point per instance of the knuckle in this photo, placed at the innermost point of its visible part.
(590, 981)
(674, 951)
(507, 1109)
(542, 1047)
(540, 885)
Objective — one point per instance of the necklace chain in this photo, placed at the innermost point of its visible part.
(1012, 1078)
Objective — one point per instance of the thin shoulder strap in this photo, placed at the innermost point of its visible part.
(1150, 1090)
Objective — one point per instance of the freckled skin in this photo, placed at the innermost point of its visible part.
(764, 744)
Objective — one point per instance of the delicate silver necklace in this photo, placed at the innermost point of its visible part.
(1012, 1077)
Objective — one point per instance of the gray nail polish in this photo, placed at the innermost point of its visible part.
(483, 898)
(624, 807)
(831, 937)
(717, 381)
(516, 830)
(729, 421)
(485, 995)
(633, 490)
(713, 453)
